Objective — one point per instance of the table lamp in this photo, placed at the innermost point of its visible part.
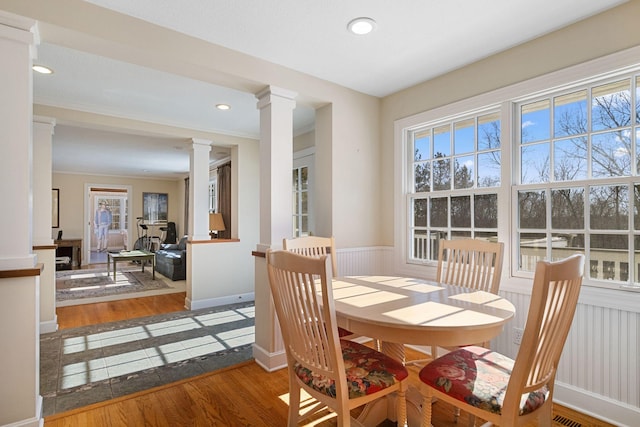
(216, 223)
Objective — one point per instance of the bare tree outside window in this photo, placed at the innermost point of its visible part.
(583, 137)
(449, 160)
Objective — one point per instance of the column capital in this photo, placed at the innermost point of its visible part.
(269, 94)
(201, 142)
(20, 29)
(44, 120)
(45, 123)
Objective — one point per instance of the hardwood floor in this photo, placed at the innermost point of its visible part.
(243, 395)
(101, 312)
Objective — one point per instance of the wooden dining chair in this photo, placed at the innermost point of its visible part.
(318, 246)
(314, 246)
(471, 263)
(339, 374)
(495, 388)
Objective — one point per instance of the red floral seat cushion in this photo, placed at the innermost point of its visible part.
(479, 377)
(368, 371)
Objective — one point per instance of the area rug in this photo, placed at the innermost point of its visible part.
(91, 364)
(79, 284)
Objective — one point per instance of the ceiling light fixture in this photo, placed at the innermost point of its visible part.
(42, 69)
(361, 26)
(223, 107)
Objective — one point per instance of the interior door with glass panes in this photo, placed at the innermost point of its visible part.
(303, 220)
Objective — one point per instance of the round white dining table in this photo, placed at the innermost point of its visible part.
(400, 310)
(415, 311)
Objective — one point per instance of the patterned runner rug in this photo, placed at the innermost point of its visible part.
(91, 364)
(78, 284)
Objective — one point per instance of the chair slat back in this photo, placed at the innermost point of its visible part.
(556, 287)
(306, 316)
(314, 246)
(472, 263)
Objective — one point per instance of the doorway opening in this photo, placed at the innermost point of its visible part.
(108, 222)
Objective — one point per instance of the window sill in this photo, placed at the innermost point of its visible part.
(624, 299)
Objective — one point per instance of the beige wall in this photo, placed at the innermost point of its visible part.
(303, 141)
(73, 213)
(603, 34)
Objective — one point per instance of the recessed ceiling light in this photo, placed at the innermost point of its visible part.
(361, 26)
(42, 69)
(223, 107)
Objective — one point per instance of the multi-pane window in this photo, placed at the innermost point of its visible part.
(579, 179)
(455, 174)
(572, 158)
(300, 201)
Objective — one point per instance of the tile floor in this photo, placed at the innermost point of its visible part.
(91, 364)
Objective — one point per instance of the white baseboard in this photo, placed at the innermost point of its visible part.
(596, 406)
(49, 326)
(215, 302)
(270, 362)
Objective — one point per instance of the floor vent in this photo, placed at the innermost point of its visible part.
(564, 421)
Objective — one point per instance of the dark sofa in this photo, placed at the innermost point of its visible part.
(171, 260)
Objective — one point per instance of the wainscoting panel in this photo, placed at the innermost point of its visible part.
(365, 261)
(504, 343)
(601, 354)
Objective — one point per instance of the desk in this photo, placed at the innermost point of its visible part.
(142, 256)
(76, 249)
(399, 310)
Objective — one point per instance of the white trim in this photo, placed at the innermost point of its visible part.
(306, 158)
(89, 212)
(616, 299)
(310, 151)
(215, 302)
(619, 62)
(270, 362)
(596, 405)
(49, 326)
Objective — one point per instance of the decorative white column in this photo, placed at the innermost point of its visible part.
(199, 189)
(42, 215)
(198, 215)
(20, 400)
(276, 216)
(42, 179)
(17, 48)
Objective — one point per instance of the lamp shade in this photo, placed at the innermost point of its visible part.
(216, 223)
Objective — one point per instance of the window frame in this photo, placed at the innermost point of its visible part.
(568, 79)
(412, 195)
(304, 159)
(632, 74)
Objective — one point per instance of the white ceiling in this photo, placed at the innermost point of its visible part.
(415, 40)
